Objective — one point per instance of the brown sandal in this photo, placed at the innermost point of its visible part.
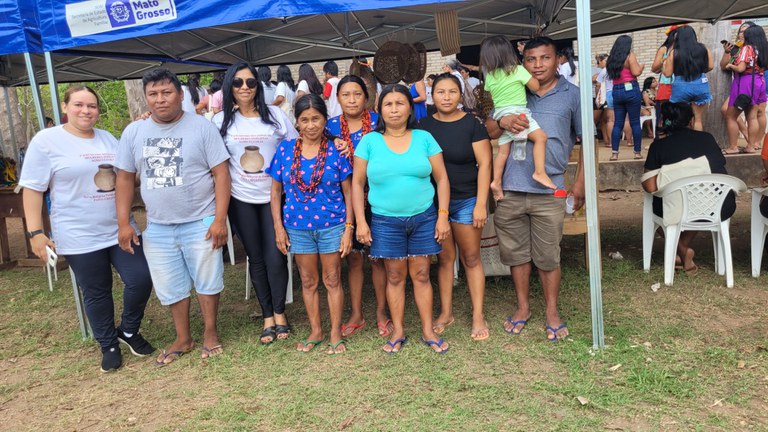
(614, 157)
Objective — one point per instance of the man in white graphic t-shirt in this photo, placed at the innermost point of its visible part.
(182, 164)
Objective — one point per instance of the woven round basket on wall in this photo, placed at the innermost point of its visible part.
(390, 62)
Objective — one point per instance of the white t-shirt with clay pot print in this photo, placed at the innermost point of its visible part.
(81, 177)
(251, 144)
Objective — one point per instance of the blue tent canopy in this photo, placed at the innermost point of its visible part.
(73, 23)
(19, 31)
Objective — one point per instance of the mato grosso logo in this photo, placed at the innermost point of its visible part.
(120, 13)
(99, 16)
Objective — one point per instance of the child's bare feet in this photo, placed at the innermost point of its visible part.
(542, 178)
(498, 192)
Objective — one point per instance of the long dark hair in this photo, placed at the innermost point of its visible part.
(677, 116)
(691, 58)
(497, 52)
(647, 83)
(352, 79)
(193, 84)
(306, 73)
(264, 74)
(618, 56)
(567, 52)
(755, 36)
(228, 98)
(381, 127)
(670, 40)
(284, 75)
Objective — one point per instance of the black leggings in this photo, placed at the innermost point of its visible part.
(253, 225)
(93, 271)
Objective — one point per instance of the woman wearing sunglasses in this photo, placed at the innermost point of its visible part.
(252, 131)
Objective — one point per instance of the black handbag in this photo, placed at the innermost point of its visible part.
(743, 100)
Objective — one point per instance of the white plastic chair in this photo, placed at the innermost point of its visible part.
(85, 325)
(230, 244)
(758, 231)
(702, 200)
(289, 291)
(652, 118)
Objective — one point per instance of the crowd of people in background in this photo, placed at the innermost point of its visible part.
(304, 170)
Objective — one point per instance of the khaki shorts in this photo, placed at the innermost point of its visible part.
(529, 227)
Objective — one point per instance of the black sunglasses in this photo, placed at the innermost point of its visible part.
(250, 82)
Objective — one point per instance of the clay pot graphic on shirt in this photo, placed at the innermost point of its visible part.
(252, 161)
(105, 179)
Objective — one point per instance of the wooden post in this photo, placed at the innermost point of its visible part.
(719, 80)
(137, 104)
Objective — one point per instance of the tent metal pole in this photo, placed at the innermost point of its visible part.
(54, 87)
(35, 91)
(584, 37)
(14, 143)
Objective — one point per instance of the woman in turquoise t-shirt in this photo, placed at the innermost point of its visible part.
(406, 229)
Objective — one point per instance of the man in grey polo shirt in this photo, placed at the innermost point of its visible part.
(529, 219)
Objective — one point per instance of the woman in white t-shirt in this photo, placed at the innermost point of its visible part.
(264, 74)
(308, 82)
(285, 91)
(568, 65)
(252, 134)
(193, 94)
(74, 161)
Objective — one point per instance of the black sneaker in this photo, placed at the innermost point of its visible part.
(136, 343)
(111, 358)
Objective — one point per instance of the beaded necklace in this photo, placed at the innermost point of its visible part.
(309, 190)
(346, 137)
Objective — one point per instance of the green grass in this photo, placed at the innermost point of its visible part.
(679, 352)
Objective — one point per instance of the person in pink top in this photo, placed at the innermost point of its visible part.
(623, 68)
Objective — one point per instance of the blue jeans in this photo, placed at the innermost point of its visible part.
(627, 102)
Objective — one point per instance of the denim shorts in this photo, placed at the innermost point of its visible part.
(321, 241)
(609, 99)
(695, 92)
(396, 237)
(460, 210)
(179, 256)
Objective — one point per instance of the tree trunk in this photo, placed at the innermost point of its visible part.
(137, 104)
(12, 130)
(719, 80)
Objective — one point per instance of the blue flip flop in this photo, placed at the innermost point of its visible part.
(515, 324)
(400, 341)
(554, 332)
(436, 343)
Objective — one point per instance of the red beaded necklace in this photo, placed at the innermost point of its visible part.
(345, 135)
(309, 190)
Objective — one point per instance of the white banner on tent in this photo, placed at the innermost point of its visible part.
(99, 16)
